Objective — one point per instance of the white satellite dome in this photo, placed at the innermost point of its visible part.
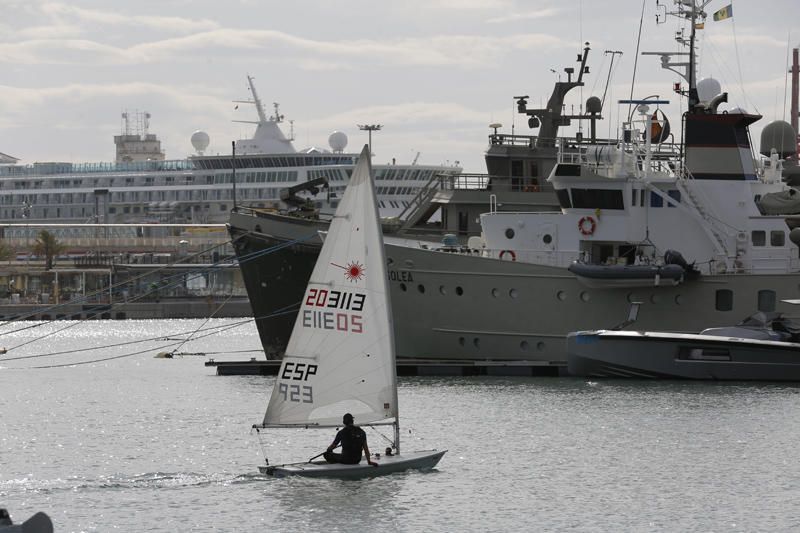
(708, 88)
(737, 111)
(200, 141)
(337, 141)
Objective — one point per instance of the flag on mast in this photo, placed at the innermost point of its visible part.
(724, 13)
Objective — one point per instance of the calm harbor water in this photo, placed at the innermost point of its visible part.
(145, 444)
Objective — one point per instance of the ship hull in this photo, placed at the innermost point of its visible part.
(453, 306)
(610, 354)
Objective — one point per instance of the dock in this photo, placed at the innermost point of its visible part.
(413, 367)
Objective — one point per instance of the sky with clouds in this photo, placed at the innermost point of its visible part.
(434, 73)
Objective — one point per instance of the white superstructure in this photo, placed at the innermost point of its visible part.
(142, 186)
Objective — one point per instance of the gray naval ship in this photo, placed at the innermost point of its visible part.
(689, 228)
(277, 249)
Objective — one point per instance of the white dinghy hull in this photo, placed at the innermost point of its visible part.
(387, 464)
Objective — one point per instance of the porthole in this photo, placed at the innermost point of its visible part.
(523, 346)
(264, 284)
(513, 293)
(442, 290)
(389, 261)
(403, 287)
(655, 298)
(409, 263)
(540, 346)
(421, 289)
(547, 239)
(633, 297)
(476, 342)
(461, 341)
(678, 299)
(561, 295)
(459, 291)
(495, 293)
(509, 233)
(585, 297)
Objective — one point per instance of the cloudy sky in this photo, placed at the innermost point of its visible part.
(434, 73)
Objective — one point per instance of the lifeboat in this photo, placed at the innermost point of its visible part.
(612, 276)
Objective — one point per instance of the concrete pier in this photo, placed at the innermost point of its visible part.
(411, 367)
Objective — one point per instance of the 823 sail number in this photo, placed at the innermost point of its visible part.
(295, 392)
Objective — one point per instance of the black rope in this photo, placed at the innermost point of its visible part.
(225, 327)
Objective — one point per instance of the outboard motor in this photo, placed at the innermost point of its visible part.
(672, 257)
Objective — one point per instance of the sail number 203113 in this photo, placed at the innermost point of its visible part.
(296, 392)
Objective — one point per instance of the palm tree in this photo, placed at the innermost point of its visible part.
(48, 246)
(6, 252)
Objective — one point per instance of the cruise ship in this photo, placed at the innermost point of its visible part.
(142, 186)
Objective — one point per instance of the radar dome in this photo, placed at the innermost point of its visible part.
(594, 105)
(781, 136)
(337, 141)
(200, 140)
(708, 88)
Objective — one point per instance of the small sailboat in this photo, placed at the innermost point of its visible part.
(341, 354)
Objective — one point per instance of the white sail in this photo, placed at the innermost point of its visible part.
(340, 357)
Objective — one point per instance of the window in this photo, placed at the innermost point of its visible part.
(675, 195)
(724, 299)
(656, 200)
(597, 198)
(777, 238)
(766, 301)
(759, 238)
(563, 198)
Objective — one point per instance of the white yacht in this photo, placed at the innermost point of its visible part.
(142, 186)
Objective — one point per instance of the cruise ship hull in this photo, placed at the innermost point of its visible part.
(454, 306)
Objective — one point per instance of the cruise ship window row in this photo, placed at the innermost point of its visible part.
(138, 196)
(395, 190)
(66, 183)
(138, 181)
(226, 163)
(38, 169)
(391, 203)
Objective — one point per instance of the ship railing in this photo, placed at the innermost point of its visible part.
(439, 182)
(663, 158)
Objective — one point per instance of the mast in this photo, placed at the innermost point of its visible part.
(795, 71)
(693, 98)
(262, 116)
(233, 172)
(551, 117)
(693, 11)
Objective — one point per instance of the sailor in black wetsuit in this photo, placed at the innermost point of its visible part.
(353, 441)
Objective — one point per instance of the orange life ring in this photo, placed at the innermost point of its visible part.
(509, 252)
(587, 229)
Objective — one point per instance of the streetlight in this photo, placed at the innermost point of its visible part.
(370, 128)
